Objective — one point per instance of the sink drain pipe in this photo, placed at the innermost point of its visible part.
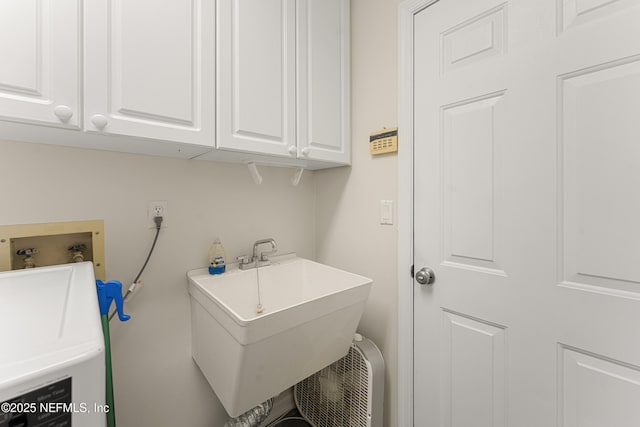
(253, 417)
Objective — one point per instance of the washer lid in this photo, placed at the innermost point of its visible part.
(49, 319)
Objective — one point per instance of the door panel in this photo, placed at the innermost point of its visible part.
(156, 58)
(480, 37)
(526, 201)
(474, 369)
(256, 110)
(25, 76)
(600, 175)
(596, 391)
(468, 140)
(39, 76)
(149, 69)
(577, 12)
(323, 80)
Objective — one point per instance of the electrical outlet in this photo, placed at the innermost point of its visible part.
(157, 208)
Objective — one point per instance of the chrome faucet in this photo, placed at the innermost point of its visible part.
(263, 255)
(258, 261)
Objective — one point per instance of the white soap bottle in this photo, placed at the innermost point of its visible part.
(217, 258)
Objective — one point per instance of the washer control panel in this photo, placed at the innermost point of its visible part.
(47, 406)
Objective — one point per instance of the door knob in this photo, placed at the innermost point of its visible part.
(305, 151)
(293, 150)
(425, 276)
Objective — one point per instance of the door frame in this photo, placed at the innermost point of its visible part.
(406, 11)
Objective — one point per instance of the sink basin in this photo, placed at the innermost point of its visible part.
(310, 312)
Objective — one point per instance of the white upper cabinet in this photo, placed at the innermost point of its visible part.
(323, 80)
(262, 81)
(256, 76)
(283, 78)
(39, 71)
(150, 69)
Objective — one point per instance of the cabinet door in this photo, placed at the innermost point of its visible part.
(39, 45)
(323, 80)
(150, 69)
(256, 76)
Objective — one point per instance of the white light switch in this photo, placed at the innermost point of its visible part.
(386, 212)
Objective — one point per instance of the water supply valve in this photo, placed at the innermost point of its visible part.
(108, 292)
(28, 253)
(76, 252)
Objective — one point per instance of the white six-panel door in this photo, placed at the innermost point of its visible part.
(39, 68)
(150, 69)
(526, 121)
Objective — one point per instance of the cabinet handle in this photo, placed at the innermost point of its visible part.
(305, 151)
(99, 121)
(293, 150)
(63, 113)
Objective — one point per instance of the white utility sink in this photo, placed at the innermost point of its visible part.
(310, 313)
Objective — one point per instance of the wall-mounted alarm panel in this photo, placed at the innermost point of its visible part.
(384, 141)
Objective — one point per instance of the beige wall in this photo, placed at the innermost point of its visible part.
(348, 232)
(156, 382)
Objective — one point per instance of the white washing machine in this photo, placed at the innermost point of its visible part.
(52, 361)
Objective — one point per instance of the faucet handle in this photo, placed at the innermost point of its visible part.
(243, 259)
(264, 256)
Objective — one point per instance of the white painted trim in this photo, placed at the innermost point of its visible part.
(406, 12)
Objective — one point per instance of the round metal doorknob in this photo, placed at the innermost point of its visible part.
(63, 113)
(425, 276)
(99, 121)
